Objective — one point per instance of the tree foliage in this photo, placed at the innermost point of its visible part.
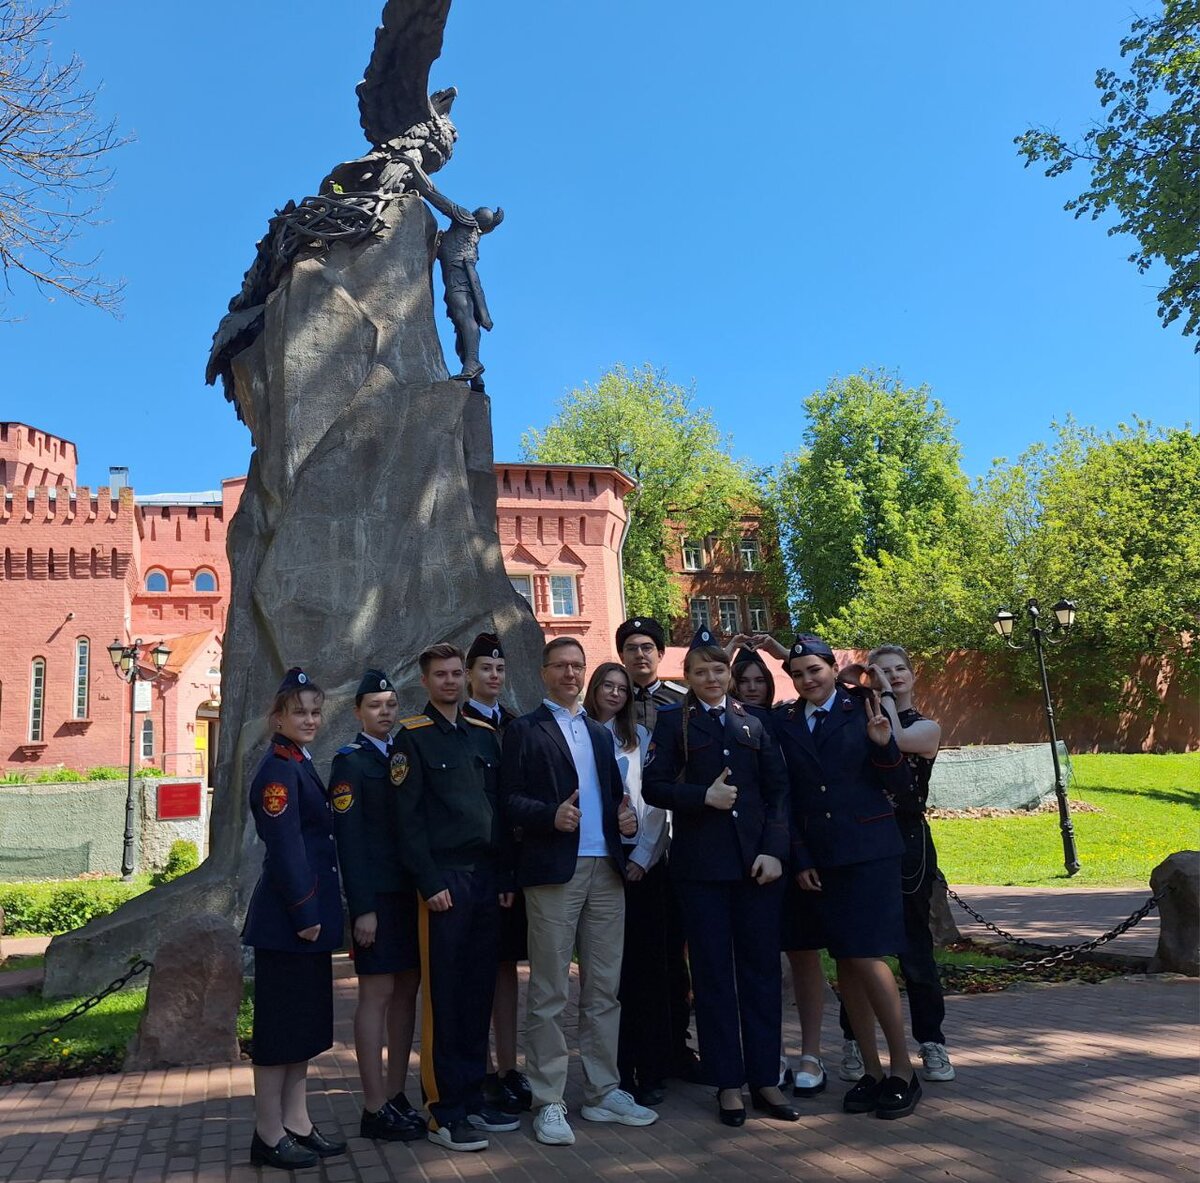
(652, 430)
(54, 152)
(1145, 155)
(877, 480)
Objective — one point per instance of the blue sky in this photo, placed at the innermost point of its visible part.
(754, 197)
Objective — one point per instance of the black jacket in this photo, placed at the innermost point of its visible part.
(536, 775)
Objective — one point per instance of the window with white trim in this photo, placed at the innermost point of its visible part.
(727, 613)
(205, 581)
(698, 606)
(693, 555)
(523, 584)
(563, 601)
(147, 739)
(37, 699)
(156, 581)
(749, 552)
(82, 670)
(757, 607)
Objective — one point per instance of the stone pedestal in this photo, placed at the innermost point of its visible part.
(367, 531)
(1178, 878)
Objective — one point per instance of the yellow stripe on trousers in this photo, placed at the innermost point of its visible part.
(428, 1076)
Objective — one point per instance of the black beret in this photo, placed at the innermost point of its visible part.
(485, 645)
(643, 626)
(373, 681)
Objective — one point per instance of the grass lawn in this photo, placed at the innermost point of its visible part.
(1149, 809)
(21, 961)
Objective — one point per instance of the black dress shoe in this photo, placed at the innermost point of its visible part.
(390, 1125)
(518, 1086)
(732, 1117)
(286, 1154)
(400, 1104)
(320, 1145)
(863, 1097)
(897, 1097)
(650, 1096)
(771, 1109)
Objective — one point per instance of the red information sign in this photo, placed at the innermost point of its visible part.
(179, 802)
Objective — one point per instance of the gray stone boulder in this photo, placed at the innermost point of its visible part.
(941, 916)
(192, 1003)
(1177, 878)
(367, 530)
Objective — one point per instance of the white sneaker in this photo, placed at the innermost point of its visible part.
(851, 1067)
(935, 1062)
(551, 1127)
(620, 1107)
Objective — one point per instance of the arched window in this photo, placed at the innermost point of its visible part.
(205, 581)
(156, 581)
(37, 699)
(147, 739)
(83, 650)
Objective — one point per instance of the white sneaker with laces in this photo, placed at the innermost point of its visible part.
(935, 1062)
(851, 1067)
(551, 1127)
(620, 1107)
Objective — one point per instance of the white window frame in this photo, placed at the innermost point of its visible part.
(689, 548)
(147, 732)
(37, 700)
(166, 582)
(723, 602)
(573, 583)
(700, 611)
(756, 605)
(83, 660)
(749, 547)
(199, 574)
(526, 595)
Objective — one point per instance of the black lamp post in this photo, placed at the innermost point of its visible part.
(1064, 617)
(125, 662)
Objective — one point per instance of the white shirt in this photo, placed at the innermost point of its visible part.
(718, 706)
(811, 708)
(488, 712)
(650, 842)
(381, 744)
(583, 756)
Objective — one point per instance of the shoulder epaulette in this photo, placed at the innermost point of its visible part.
(664, 707)
(479, 723)
(415, 721)
(350, 747)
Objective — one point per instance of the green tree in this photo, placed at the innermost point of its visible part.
(652, 430)
(878, 479)
(1145, 155)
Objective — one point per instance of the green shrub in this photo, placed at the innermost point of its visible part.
(105, 772)
(53, 776)
(14, 778)
(181, 858)
(48, 908)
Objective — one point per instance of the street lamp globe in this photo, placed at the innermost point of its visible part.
(115, 650)
(1064, 613)
(1003, 623)
(160, 654)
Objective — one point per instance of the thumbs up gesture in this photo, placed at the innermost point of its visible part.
(626, 818)
(567, 815)
(721, 794)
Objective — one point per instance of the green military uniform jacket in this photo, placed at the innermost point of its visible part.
(447, 810)
(363, 788)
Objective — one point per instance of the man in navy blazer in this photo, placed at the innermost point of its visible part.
(561, 789)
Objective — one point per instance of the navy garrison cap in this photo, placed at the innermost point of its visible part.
(373, 682)
(704, 636)
(485, 645)
(294, 679)
(642, 626)
(809, 646)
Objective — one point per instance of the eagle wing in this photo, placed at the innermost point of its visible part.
(394, 94)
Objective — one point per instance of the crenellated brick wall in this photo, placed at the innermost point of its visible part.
(32, 457)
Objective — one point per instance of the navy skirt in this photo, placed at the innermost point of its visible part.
(395, 949)
(293, 1006)
(801, 925)
(861, 908)
(514, 931)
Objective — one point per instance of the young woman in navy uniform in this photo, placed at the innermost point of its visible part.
(717, 768)
(382, 902)
(505, 1086)
(294, 923)
(844, 768)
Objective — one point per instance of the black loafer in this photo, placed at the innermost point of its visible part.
(320, 1145)
(409, 1115)
(650, 1096)
(897, 1097)
(771, 1109)
(863, 1097)
(731, 1117)
(518, 1086)
(389, 1125)
(287, 1154)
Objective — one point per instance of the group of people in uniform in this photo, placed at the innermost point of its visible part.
(672, 842)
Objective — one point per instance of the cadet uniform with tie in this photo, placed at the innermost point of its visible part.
(844, 767)
(382, 903)
(447, 769)
(717, 768)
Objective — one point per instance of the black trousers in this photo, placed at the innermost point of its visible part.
(458, 980)
(644, 1054)
(733, 947)
(918, 870)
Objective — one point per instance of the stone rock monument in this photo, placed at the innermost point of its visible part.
(367, 529)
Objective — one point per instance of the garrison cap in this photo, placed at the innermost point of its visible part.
(485, 645)
(643, 626)
(294, 679)
(809, 646)
(373, 682)
(704, 636)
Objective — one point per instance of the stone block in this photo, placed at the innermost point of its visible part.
(1177, 878)
(941, 916)
(192, 1003)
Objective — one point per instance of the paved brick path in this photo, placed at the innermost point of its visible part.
(1055, 1084)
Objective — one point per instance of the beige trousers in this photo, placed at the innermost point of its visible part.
(586, 914)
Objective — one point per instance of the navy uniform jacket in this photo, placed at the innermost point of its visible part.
(709, 843)
(842, 783)
(447, 797)
(506, 716)
(364, 821)
(299, 885)
(537, 774)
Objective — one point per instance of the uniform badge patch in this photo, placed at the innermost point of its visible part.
(274, 799)
(342, 797)
(649, 755)
(398, 770)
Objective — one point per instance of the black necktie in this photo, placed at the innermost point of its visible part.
(819, 720)
(641, 694)
(496, 718)
(716, 713)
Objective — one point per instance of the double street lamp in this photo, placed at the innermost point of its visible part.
(126, 661)
(1064, 618)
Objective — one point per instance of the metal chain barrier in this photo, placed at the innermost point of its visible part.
(31, 1037)
(1057, 954)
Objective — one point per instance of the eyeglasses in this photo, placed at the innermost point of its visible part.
(649, 647)
(570, 667)
(614, 687)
